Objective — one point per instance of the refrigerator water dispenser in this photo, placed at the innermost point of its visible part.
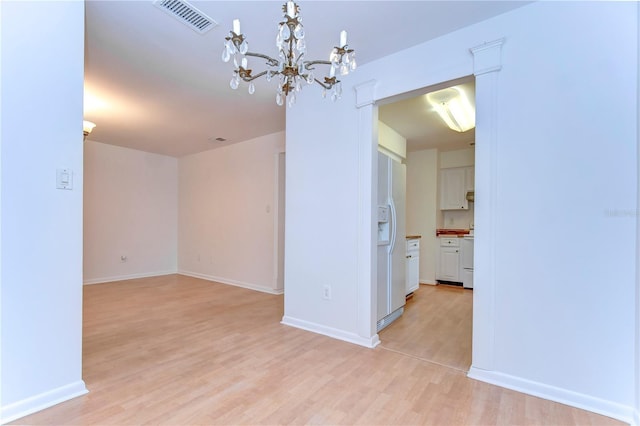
(383, 225)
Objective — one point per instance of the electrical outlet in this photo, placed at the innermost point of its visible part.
(326, 292)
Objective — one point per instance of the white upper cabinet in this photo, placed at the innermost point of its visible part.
(454, 184)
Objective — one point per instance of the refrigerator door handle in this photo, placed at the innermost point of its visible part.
(392, 244)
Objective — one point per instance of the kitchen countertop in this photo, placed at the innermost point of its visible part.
(453, 233)
(413, 237)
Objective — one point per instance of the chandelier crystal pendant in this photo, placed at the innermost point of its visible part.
(289, 69)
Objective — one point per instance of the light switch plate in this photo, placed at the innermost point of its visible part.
(64, 179)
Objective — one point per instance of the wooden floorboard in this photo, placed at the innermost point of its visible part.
(435, 326)
(182, 351)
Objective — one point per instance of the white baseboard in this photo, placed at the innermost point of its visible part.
(552, 393)
(428, 282)
(16, 410)
(127, 277)
(221, 280)
(335, 333)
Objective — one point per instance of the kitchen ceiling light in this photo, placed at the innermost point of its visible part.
(454, 108)
(290, 69)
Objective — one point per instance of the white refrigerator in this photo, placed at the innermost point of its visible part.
(391, 274)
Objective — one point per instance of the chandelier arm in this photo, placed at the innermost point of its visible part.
(290, 65)
(326, 86)
(248, 79)
(309, 63)
(270, 61)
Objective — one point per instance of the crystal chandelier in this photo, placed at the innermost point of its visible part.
(290, 69)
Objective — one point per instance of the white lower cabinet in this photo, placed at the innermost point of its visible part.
(413, 265)
(448, 260)
(467, 278)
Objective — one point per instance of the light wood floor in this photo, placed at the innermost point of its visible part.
(178, 350)
(435, 326)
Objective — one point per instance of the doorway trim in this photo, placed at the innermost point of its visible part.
(367, 236)
(487, 62)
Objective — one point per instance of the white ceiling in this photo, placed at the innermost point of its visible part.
(414, 118)
(154, 84)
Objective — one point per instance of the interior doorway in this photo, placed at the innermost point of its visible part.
(437, 322)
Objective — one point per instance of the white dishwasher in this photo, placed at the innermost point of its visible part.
(413, 265)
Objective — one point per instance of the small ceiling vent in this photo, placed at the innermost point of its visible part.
(187, 14)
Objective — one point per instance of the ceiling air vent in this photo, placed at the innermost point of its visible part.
(187, 14)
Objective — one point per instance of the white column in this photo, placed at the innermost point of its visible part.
(486, 64)
(637, 364)
(367, 173)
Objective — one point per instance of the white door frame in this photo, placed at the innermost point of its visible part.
(487, 62)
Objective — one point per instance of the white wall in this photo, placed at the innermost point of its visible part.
(130, 209)
(322, 222)
(556, 320)
(392, 141)
(457, 158)
(41, 258)
(227, 214)
(422, 192)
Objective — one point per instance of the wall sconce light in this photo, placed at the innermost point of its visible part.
(454, 108)
(87, 127)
